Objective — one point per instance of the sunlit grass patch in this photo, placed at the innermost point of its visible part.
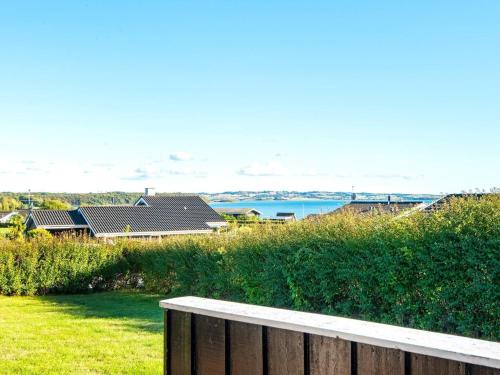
(102, 333)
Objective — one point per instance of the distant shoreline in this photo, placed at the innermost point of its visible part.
(395, 198)
(127, 198)
(300, 207)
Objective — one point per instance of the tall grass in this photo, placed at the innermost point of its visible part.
(435, 271)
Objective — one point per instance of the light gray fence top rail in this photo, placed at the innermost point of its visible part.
(478, 352)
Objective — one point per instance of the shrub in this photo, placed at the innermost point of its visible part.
(57, 265)
(436, 271)
(38, 234)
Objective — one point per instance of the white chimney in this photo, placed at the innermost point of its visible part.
(149, 191)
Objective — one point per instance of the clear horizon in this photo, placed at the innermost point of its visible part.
(212, 96)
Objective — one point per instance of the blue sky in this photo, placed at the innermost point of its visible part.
(387, 96)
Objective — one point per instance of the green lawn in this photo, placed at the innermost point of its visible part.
(101, 333)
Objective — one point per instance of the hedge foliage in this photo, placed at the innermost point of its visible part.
(58, 266)
(436, 271)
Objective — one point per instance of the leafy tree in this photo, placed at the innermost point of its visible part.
(55, 204)
(17, 227)
(9, 204)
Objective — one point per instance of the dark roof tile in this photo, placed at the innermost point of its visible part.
(143, 219)
(378, 206)
(54, 218)
(163, 214)
(237, 211)
(177, 203)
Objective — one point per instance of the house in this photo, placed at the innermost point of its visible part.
(149, 216)
(237, 212)
(364, 207)
(286, 216)
(57, 221)
(438, 204)
(6, 216)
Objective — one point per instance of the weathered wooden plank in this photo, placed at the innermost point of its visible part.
(481, 370)
(166, 342)
(461, 349)
(246, 349)
(427, 365)
(375, 360)
(180, 343)
(285, 352)
(210, 345)
(329, 355)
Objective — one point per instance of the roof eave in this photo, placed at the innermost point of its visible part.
(55, 227)
(154, 233)
(217, 224)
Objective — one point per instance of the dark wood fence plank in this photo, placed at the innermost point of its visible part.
(328, 355)
(285, 352)
(210, 345)
(426, 365)
(246, 349)
(481, 370)
(375, 360)
(180, 343)
(166, 342)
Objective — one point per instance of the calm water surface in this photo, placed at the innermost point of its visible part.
(301, 208)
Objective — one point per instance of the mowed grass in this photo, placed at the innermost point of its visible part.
(101, 333)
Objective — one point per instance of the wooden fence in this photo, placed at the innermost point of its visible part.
(211, 337)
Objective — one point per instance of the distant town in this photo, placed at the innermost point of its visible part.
(120, 198)
(230, 196)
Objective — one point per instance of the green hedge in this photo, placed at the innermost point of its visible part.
(435, 271)
(58, 266)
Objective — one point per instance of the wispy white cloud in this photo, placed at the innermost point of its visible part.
(33, 169)
(103, 165)
(153, 172)
(271, 168)
(180, 156)
(276, 168)
(391, 176)
(139, 174)
(187, 172)
(24, 167)
(311, 174)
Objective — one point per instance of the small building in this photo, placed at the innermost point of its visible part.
(438, 204)
(57, 221)
(366, 207)
(238, 212)
(151, 216)
(286, 216)
(6, 216)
